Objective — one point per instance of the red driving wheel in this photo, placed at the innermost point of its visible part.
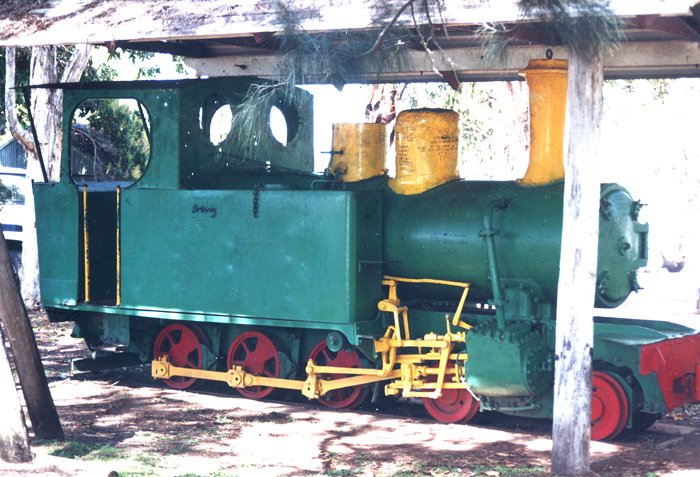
(453, 406)
(609, 407)
(258, 355)
(344, 397)
(183, 346)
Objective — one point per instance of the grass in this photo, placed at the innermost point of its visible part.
(223, 419)
(80, 450)
(349, 465)
(449, 471)
(129, 464)
(123, 460)
(502, 471)
(147, 459)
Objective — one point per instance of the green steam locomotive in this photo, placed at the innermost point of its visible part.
(166, 244)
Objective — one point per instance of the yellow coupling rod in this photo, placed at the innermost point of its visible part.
(163, 369)
(312, 388)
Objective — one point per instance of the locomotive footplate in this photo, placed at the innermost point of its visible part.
(423, 374)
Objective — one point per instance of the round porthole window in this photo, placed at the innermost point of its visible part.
(220, 124)
(284, 123)
(215, 117)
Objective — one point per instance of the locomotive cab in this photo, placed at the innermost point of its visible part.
(142, 221)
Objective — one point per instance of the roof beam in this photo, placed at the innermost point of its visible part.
(669, 25)
(531, 34)
(189, 49)
(667, 59)
(193, 48)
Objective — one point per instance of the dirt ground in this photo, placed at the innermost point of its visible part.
(124, 422)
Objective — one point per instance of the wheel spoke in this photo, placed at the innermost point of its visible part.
(258, 355)
(182, 343)
(343, 397)
(244, 345)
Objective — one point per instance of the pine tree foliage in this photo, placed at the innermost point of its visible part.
(590, 27)
(587, 26)
(332, 58)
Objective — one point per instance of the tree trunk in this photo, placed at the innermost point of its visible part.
(46, 106)
(382, 104)
(37, 395)
(14, 440)
(577, 273)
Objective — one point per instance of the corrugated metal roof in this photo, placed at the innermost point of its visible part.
(12, 154)
(242, 34)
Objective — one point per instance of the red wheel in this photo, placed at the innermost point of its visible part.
(609, 407)
(258, 355)
(344, 397)
(183, 345)
(453, 406)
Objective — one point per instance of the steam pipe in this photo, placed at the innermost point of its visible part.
(488, 233)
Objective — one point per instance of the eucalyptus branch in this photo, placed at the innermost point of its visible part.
(431, 27)
(76, 64)
(18, 133)
(386, 29)
(442, 19)
(425, 43)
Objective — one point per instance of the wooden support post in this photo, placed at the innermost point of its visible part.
(577, 274)
(40, 406)
(14, 440)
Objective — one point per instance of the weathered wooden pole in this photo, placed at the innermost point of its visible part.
(571, 431)
(40, 406)
(14, 440)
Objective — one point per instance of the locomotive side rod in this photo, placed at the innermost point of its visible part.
(312, 387)
(237, 378)
(163, 369)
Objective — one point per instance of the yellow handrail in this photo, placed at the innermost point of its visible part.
(85, 246)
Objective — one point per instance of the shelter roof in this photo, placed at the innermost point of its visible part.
(221, 37)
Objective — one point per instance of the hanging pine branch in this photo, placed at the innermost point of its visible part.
(332, 58)
(590, 27)
(587, 26)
